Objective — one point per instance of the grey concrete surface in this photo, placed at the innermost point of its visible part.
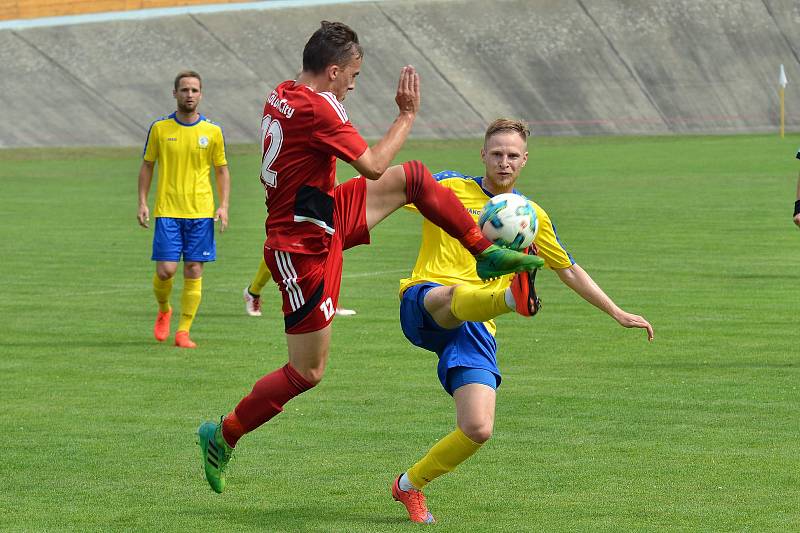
(569, 67)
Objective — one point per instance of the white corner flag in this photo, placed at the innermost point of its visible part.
(782, 81)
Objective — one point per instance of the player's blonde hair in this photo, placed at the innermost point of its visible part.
(187, 74)
(503, 125)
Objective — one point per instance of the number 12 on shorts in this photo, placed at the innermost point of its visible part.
(327, 308)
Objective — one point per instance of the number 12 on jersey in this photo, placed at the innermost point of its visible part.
(271, 141)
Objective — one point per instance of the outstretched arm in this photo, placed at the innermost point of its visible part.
(376, 159)
(145, 178)
(579, 281)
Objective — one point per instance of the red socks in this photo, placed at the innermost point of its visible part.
(266, 400)
(441, 206)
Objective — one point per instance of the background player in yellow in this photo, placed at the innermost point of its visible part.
(186, 145)
(447, 309)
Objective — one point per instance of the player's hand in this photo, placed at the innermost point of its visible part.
(408, 95)
(221, 216)
(627, 320)
(797, 220)
(143, 216)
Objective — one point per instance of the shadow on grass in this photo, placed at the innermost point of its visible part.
(297, 517)
(702, 365)
(72, 345)
(752, 275)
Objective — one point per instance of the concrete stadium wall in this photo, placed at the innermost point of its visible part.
(570, 67)
(28, 9)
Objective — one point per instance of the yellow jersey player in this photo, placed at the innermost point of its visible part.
(186, 145)
(447, 309)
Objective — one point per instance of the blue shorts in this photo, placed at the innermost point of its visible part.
(193, 238)
(466, 353)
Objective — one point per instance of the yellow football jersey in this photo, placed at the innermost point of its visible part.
(442, 259)
(185, 155)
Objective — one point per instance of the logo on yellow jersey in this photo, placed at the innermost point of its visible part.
(203, 141)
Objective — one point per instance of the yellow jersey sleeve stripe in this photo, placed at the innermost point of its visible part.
(147, 142)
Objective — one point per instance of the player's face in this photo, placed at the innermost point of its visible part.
(504, 155)
(345, 79)
(188, 94)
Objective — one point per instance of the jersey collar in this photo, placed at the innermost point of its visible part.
(174, 116)
(479, 180)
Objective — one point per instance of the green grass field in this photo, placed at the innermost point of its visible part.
(596, 430)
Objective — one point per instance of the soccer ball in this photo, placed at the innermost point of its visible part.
(510, 221)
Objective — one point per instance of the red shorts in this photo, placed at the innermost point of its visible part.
(309, 284)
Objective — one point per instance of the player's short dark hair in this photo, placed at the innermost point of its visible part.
(334, 43)
(187, 74)
(504, 125)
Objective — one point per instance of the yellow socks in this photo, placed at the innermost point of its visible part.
(162, 290)
(444, 457)
(478, 305)
(190, 301)
(262, 277)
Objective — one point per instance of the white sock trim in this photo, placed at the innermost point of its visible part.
(405, 484)
(510, 301)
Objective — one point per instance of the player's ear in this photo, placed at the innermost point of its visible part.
(332, 71)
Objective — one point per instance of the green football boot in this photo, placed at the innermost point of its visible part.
(495, 261)
(216, 454)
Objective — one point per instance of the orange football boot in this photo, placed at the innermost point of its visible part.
(414, 501)
(182, 340)
(524, 291)
(523, 287)
(161, 329)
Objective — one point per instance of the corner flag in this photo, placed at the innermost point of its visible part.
(782, 81)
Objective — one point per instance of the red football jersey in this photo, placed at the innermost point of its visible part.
(302, 134)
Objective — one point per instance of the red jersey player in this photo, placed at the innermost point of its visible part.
(312, 220)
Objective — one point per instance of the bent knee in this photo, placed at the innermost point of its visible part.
(479, 433)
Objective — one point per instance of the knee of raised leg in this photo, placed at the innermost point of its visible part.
(479, 433)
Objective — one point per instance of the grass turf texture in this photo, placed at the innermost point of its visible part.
(596, 429)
